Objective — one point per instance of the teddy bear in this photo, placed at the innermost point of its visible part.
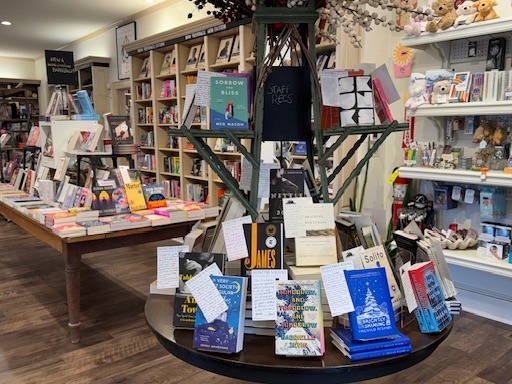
(440, 91)
(485, 10)
(444, 15)
(402, 19)
(465, 13)
(415, 26)
(417, 95)
(497, 136)
(483, 132)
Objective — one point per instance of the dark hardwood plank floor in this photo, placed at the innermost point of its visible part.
(118, 347)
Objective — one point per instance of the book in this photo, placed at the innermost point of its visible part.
(103, 201)
(229, 103)
(120, 131)
(189, 265)
(299, 322)
(193, 56)
(33, 136)
(477, 84)
(373, 317)
(372, 354)
(225, 334)
(224, 52)
(235, 53)
(460, 88)
(145, 69)
(265, 245)
(432, 313)
(284, 183)
(344, 337)
(120, 200)
(135, 196)
(496, 54)
(168, 63)
(154, 195)
(377, 257)
(381, 103)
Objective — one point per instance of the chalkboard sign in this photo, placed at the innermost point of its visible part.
(287, 104)
(60, 67)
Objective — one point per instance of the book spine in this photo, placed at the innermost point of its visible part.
(380, 353)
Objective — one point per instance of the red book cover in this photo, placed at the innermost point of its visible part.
(381, 104)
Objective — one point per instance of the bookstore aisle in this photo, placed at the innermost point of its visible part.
(119, 347)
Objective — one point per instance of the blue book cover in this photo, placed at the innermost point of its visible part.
(344, 336)
(375, 354)
(373, 317)
(299, 321)
(226, 333)
(229, 103)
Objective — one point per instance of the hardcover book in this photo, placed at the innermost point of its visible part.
(154, 195)
(189, 265)
(225, 334)
(193, 56)
(169, 63)
(284, 183)
(265, 246)
(373, 317)
(225, 47)
(460, 88)
(299, 321)
(432, 313)
(120, 131)
(135, 196)
(372, 354)
(229, 103)
(103, 201)
(120, 200)
(344, 337)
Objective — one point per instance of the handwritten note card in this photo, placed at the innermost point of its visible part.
(264, 292)
(410, 299)
(203, 87)
(294, 214)
(245, 175)
(264, 181)
(206, 293)
(336, 289)
(236, 246)
(167, 266)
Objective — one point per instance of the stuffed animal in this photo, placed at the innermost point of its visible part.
(417, 95)
(415, 26)
(402, 19)
(485, 10)
(483, 132)
(440, 91)
(497, 136)
(465, 13)
(444, 15)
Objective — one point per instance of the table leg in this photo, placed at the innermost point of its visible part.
(72, 267)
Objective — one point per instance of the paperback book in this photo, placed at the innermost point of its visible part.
(299, 321)
(344, 337)
(135, 196)
(189, 265)
(373, 317)
(229, 103)
(154, 195)
(103, 201)
(225, 334)
(372, 354)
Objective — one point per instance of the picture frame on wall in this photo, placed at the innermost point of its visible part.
(124, 34)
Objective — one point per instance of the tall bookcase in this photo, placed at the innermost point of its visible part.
(93, 76)
(156, 114)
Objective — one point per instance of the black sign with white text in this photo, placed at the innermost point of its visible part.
(60, 67)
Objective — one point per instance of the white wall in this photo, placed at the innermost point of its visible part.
(17, 68)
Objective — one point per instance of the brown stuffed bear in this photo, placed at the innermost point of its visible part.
(485, 10)
(444, 15)
(483, 132)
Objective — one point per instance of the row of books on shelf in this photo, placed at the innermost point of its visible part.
(197, 192)
(199, 167)
(143, 91)
(172, 164)
(173, 141)
(145, 162)
(172, 188)
(145, 115)
(168, 115)
(147, 139)
(168, 88)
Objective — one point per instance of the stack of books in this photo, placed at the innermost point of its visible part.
(361, 350)
(454, 306)
(126, 149)
(69, 230)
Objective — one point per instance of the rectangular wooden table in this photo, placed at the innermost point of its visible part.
(73, 248)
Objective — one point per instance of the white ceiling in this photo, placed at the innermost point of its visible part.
(51, 24)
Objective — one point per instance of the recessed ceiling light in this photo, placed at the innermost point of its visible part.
(5, 22)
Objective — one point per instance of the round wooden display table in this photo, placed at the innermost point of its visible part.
(258, 363)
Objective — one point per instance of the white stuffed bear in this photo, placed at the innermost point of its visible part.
(466, 13)
(415, 26)
(440, 91)
(417, 94)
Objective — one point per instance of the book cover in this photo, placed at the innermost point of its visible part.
(33, 136)
(432, 313)
(344, 337)
(265, 246)
(169, 63)
(460, 88)
(433, 75)
(477, 83)
(120, 131)
(373, 354)
(154, 195)
(120, 200)
(284, 183)
(193, 56)
(496, 54)
(235, 53)
(103, 201)
(189, 265)
(373, 317)
(226, 333)
(224, 52)
(229, 103)
(381, 103)
(377, 257)
(135, 196)
(299, 321)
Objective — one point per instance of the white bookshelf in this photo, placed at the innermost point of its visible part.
(493, 178)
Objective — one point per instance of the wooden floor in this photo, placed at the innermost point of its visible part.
(118, 347)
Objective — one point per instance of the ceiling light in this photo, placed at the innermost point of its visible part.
(5, 22)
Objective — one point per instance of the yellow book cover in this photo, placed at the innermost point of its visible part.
(135, 196)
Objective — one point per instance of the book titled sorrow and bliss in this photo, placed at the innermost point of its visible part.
(225, 333)
(229, 103)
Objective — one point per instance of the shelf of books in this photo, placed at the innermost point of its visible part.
(93, 76)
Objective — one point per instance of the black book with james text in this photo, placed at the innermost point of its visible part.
(190, 264)
(265, 246)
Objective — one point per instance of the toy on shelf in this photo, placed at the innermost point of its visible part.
(415, 26)
(466, 14)
(444, 15)
(485, 10)
(440, 91)
(483, 132)
(417, 93)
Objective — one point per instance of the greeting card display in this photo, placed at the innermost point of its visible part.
(356, 101)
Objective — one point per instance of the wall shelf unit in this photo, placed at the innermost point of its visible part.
(93, 76)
